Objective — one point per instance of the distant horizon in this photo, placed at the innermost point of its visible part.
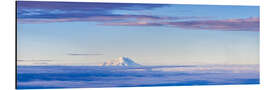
(142, 65)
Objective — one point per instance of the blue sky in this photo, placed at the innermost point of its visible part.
(62, 33)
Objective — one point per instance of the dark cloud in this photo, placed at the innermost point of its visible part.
(48, 12)
(84, 5)
(58, 10)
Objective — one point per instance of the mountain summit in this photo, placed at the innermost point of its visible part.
(121, 61)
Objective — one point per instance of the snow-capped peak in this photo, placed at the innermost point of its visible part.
(121, 61)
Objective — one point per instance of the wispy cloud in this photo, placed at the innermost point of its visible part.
(239, 24)
(111, 18)
(83, 54)
(34, 60)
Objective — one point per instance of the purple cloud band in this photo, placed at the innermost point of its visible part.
(242, 24)
(49, 12)
(96, 19)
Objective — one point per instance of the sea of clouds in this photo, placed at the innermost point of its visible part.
(38, 77)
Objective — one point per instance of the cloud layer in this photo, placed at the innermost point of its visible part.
(243, 24)
(103, 14)
(65, 10)
(30, 77)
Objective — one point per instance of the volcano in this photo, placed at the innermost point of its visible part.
(121, 61)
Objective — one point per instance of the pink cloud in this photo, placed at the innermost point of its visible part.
(240, 24)
(118, 18)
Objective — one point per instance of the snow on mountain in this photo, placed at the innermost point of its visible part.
(121, 61)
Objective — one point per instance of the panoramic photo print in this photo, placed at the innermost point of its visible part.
(100, 45)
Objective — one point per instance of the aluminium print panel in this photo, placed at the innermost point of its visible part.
(99, 45)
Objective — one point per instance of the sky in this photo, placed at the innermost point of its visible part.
(84, 33)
